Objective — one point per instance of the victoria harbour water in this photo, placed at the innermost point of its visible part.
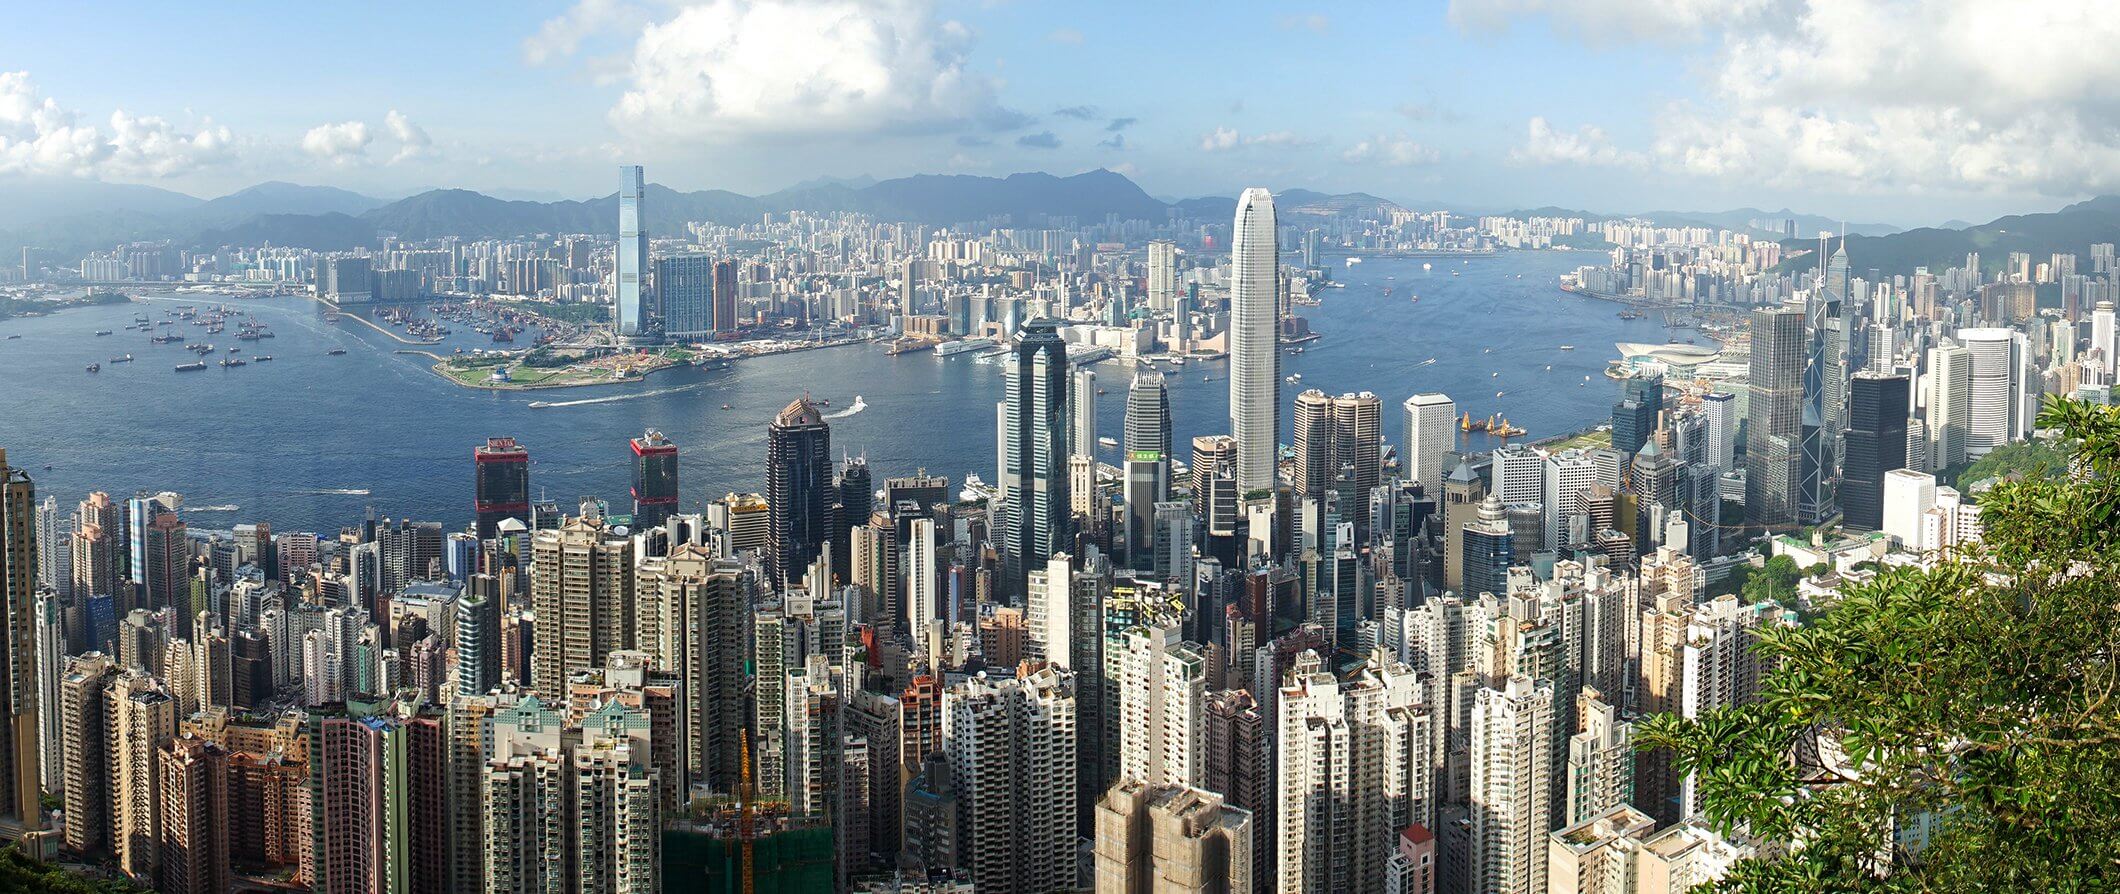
(311, 441)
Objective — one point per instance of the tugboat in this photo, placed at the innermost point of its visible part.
(95, 367)
(102, 332)
(261, 358)
(122, 358)
(334, 352)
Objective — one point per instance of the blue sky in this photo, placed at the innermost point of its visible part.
(1616, 105)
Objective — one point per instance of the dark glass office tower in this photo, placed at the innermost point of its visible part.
(799, 488)
(503, 485)
(850, 510)
(654, 480)
(1036, 520)
(1876, 444)
(1634, 417)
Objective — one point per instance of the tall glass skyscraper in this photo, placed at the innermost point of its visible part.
(1776, 417)
(1035, 518)
(1254, 361)
(1877, 443)
(632, 251)
(800, 491)
(1147, 461)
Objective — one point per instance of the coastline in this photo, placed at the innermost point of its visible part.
(441, 362)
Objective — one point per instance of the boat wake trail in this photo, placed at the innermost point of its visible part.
(544, 404)
(336, 492)
(228, 508)
(859, 405)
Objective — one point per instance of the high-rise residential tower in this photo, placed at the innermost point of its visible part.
(799, 489)
(19, 792)
(630, 319)
(1254, 327)
(1162, 276)
(1035, 520)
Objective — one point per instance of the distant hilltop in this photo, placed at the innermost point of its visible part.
(78, 214)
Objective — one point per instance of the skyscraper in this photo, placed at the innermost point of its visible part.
(1082, 414)
(725, 296)
(654, 480)
(1775, 415)
(1998, 412)
(629, 319)
(1254, 353)
(1634, 417)
(1949, 403)
(799, 490)
(581, 586)
(1877, 443)
(1162, 276)
(684, 286)
(1511, 792)
(1431, 432)
(1035, 522)
(19, 791)
(502, 485)
(1147, 462)
(1011, 747)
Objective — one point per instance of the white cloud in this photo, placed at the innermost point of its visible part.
(561, 35)
(1068, 36)
(1395, 150)
(1991, 98)
(734, 68)
(39, 136)
(341, 143)
(1316, 24)
(1609, 21)
(1223, 138)
(1586, 145)
(412, 139)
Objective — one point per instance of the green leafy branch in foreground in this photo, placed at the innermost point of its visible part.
(1971, 704)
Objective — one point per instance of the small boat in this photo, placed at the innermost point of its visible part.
(122, 358)
(261, 358)
(1549, 367)
(1428, 362)
(1103, 391)
(1494, 375)
(727, 407)
(1177, 361)
(102, 332)
(1453, 273)
(95, 367)
(1500, 393)
(1567, 347)
(1486, 350)
(1427, 267)
(334, 352)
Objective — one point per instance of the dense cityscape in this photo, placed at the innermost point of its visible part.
(966, 534)
(1349, 662)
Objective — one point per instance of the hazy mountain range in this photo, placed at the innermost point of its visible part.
(70, 216)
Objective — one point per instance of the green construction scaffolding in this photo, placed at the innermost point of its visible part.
(795, 862)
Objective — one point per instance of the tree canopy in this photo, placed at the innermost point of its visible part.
(1943, 728)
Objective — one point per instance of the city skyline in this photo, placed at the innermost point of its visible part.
(847, 540)
(1741, 111)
